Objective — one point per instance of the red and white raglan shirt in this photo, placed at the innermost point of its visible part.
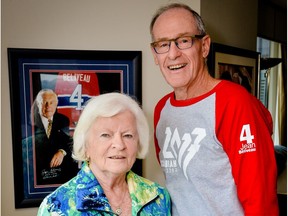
(217, 153)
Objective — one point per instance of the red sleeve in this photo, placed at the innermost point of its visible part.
(265, 113)
(157, 113)
(244, 128)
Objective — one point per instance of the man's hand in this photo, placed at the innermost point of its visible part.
(57, 159)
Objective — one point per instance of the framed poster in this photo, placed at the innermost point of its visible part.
(74, 76)
(235, 64)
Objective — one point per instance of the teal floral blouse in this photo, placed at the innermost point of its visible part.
(83, 195)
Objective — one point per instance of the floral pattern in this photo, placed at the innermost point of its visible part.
(83, 195)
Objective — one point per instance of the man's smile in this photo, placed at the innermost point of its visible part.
(176, 67)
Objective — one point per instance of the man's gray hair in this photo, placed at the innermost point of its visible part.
(199, 21)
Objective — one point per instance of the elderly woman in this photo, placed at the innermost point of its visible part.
(111, 133)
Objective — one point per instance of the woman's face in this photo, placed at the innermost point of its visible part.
(113, 144)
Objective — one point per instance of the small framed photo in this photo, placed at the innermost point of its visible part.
(235, 64)
(74, 76)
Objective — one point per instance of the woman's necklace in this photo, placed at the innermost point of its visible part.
(118, 209)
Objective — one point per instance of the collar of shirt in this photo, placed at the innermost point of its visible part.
(45, 122)
(91, 196)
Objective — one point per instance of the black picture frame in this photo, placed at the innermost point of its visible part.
(31, 70)
(223, 59)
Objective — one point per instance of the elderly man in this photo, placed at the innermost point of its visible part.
(52, 141)
(213, 138)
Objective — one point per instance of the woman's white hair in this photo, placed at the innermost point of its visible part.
(108, 105)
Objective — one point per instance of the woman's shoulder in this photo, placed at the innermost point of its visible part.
(59, 197)
(66, 188)
(143, 182)
(141, 188)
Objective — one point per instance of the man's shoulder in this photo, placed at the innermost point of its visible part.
(229, 91)
(163, 100)
(229, 86)
(60, 121)
(60, 116)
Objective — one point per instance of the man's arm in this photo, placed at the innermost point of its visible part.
(246, 138)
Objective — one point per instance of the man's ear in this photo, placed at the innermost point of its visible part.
(154, 55)
(206, 41)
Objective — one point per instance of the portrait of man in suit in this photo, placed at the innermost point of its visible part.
(52, 141)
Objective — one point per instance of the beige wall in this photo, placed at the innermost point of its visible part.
(231, 22)
(99, 25)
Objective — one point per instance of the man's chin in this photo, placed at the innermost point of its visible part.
(49, 115)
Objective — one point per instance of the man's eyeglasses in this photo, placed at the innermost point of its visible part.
(184, 42)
